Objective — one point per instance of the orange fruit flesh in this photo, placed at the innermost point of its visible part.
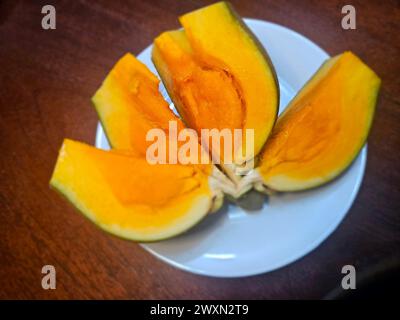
(323, 128)
(125, 195)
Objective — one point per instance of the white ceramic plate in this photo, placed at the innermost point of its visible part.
(236, 242)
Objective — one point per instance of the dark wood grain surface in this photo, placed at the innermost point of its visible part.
(47, 79)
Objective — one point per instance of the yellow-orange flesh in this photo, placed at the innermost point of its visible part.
(208, 95)
(127, 196)
(217, 74)
(323, 128)
(129, 104)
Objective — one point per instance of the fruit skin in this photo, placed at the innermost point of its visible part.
(101, 185)
(196, 40)
(324, 127)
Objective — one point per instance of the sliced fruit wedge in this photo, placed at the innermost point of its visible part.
(323, 129)
(128, 197)
(219, 76)
(129, 104)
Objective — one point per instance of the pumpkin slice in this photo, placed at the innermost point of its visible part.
(128, 197)
(219, 76)
(129, 104)
(324, 127)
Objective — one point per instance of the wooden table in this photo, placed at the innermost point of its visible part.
(47, 79)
